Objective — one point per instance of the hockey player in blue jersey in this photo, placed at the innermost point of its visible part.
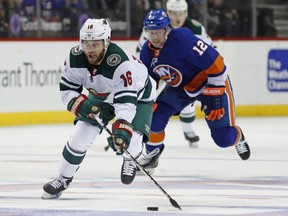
(178, 13)
(193, 71)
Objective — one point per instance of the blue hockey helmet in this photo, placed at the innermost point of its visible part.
(156, 19)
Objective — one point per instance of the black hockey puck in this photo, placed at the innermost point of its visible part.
(152, 208)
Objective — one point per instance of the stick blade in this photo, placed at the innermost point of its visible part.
(174, 203)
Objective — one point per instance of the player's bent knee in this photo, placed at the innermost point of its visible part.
(136, 145)
(224, 136)
(83, 136)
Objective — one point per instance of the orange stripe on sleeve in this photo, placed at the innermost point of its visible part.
(217, 67)
(196, 82)
(157, 137)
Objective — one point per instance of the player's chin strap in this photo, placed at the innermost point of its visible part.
(172, 201)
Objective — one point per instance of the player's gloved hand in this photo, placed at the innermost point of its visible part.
(107, 111)
(82, 106)
(122, 133)
(213, 98)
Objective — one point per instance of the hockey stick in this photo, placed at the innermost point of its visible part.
(172, 201)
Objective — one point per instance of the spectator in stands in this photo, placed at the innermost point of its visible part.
(155, 4)
(266, 26)
(138, 9)
(73, 16)
(195, 9)
(222, 20)
(15, 24)
(29, 7)
(59, 4)
(4, 26)
(99, 8)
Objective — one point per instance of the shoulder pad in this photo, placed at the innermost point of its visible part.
(196, 23)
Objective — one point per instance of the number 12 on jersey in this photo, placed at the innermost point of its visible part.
(200, 48)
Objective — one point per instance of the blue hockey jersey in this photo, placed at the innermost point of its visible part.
(185, 62)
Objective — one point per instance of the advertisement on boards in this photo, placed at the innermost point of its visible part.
(277, 79)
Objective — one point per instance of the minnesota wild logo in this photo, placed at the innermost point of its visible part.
(76, 50)
(113, 59)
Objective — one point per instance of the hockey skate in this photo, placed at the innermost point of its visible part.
(54, 188)
(128, 171)
(150, 161)
(242, 148)
(193, 140)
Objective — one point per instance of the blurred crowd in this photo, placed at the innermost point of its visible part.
(63, 18)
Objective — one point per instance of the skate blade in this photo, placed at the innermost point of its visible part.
(51, 196)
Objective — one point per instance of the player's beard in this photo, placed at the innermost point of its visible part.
(98, 60)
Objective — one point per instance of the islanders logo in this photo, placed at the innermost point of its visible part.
(169, 74)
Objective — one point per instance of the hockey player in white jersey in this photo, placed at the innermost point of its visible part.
(119, 87)
(178, 13)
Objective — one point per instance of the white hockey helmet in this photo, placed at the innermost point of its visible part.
(176, 5)
(96, 29)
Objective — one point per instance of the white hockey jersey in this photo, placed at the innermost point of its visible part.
(120, 80)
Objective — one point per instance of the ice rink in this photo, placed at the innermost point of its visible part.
(205, 181)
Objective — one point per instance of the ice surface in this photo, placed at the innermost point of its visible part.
(205, 181)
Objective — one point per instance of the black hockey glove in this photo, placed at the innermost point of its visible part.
(107, 111)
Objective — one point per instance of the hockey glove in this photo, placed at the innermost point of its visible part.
(122, 133)
(213, 98)
(82, 106)
(107, 111)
